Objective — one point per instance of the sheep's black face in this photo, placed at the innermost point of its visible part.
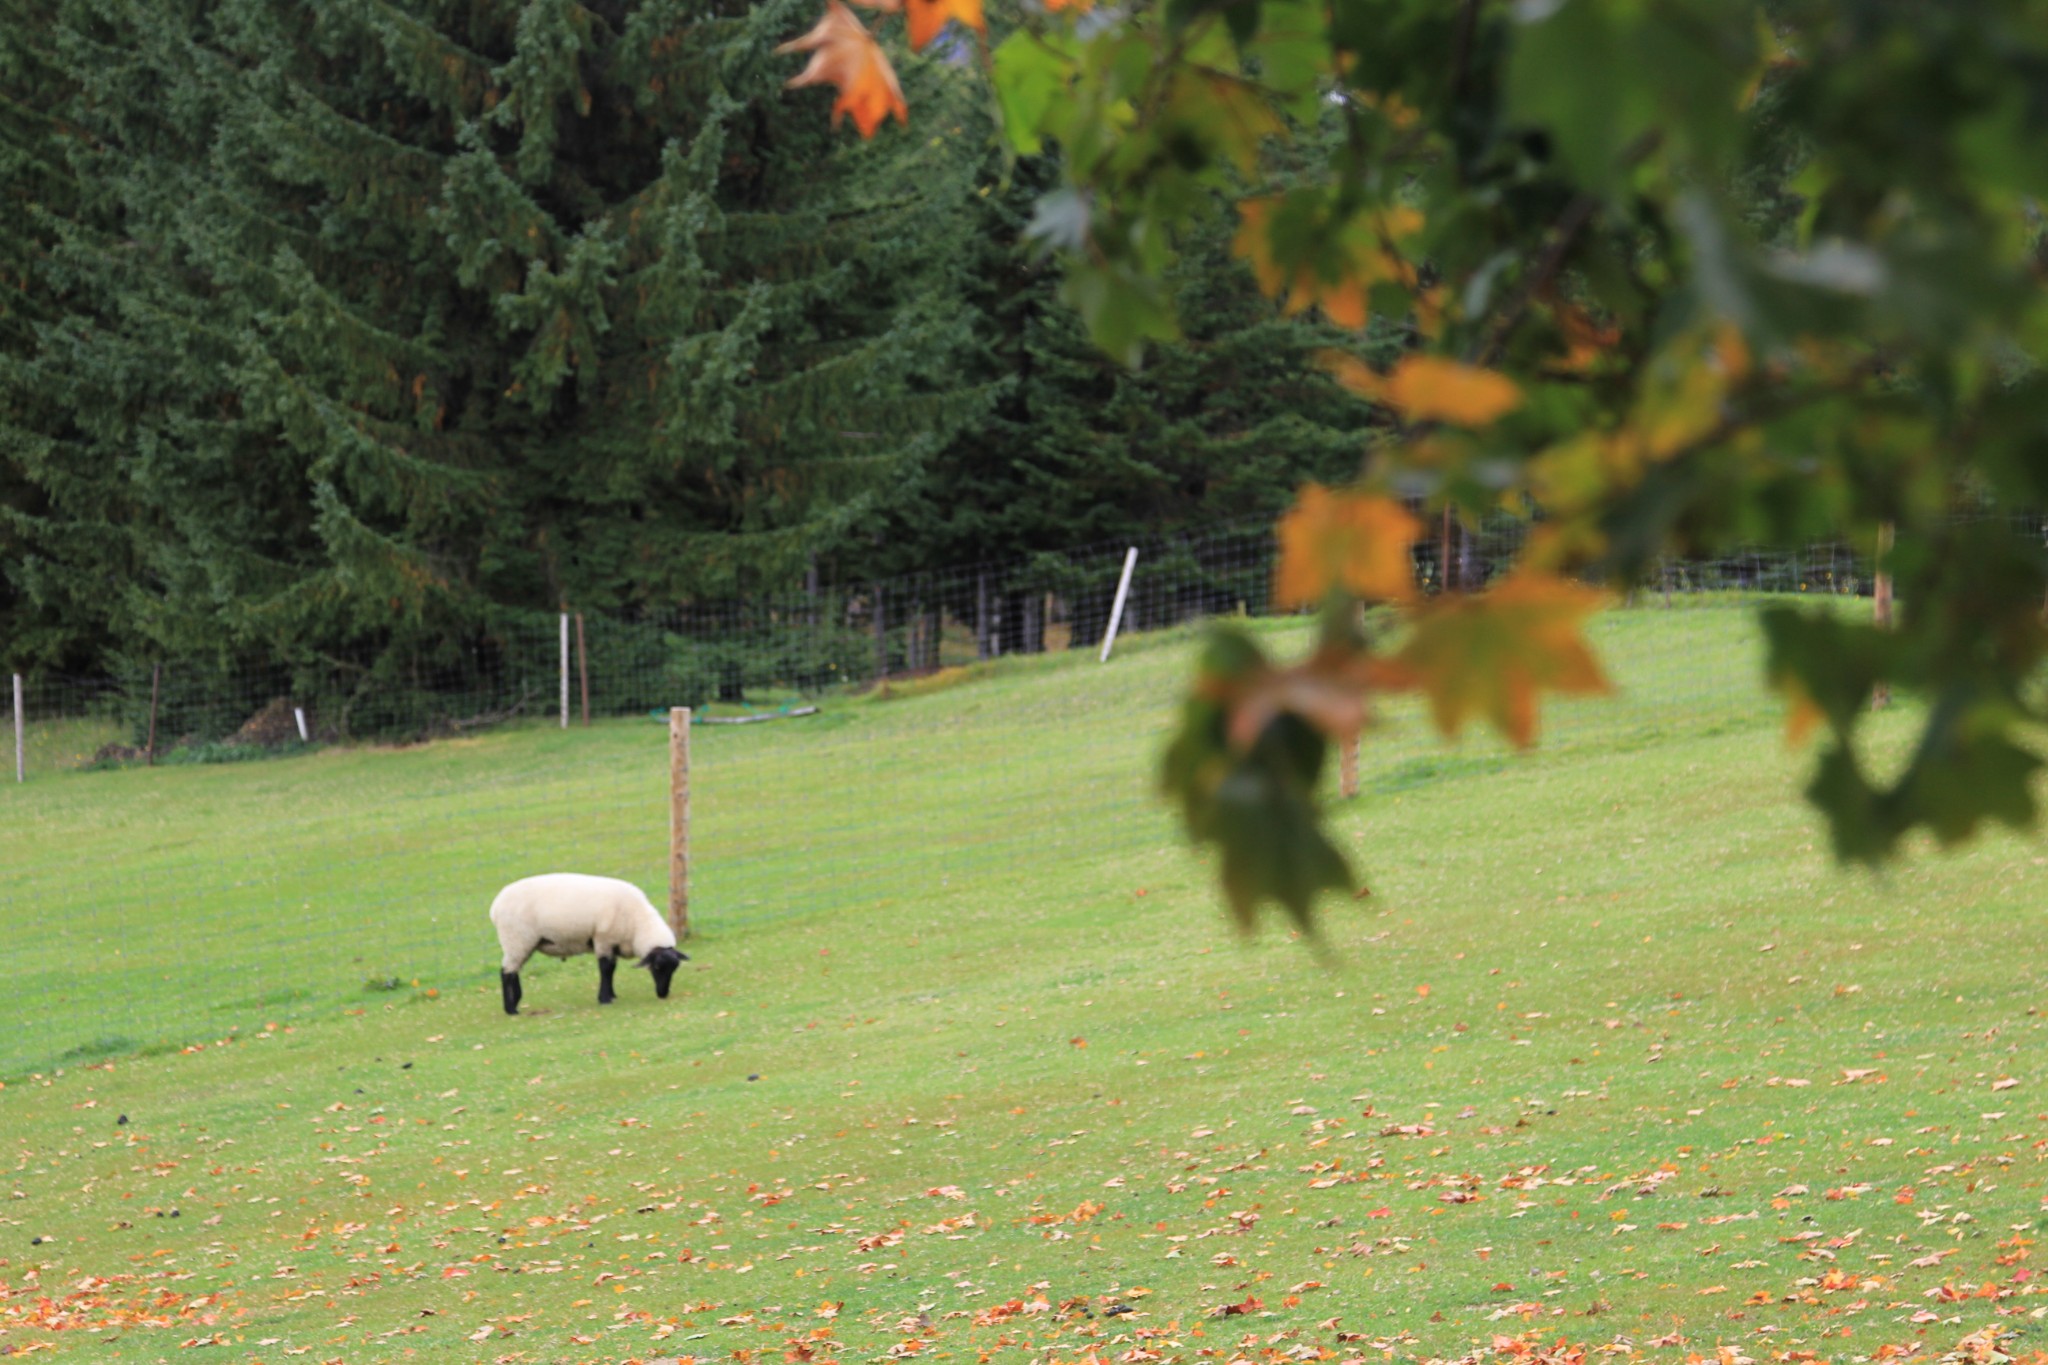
(663, 963)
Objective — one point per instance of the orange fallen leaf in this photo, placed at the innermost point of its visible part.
(846, 55)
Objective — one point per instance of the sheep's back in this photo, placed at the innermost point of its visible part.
(567, 907)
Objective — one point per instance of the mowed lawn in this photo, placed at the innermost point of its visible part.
(967, 1064)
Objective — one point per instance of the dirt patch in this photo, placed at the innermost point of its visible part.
(271, 728)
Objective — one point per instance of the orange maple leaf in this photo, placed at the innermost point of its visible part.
(845, 54)
(1353, 539)
(928, 17)
(1353, 260)
(1430, 388)
(1491, 652)
(1588, 344)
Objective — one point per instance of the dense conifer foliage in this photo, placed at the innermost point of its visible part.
(339, 339)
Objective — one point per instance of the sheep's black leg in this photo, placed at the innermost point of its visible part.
(604, 980)
(509, 981)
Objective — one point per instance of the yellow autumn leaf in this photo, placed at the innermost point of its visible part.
(1490, 653)
(1350, 258)
(1354, 540)
(1429, 388)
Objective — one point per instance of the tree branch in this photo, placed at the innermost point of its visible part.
(1563, 235)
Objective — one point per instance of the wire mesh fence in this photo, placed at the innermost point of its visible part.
(210, 897)
(771, 650)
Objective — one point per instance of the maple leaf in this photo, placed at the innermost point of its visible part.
(1429, 388)
(1327, 690)
(1491, 652)
(1802, 712)
(1326, 263)
(846, 55)
(928, 17)
(1355, 540)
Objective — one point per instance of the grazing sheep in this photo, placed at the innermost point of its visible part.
(566, 913)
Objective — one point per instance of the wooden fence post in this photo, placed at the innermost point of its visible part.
(881, 635)
(565, 670)
(982, 638)
(1447, 578)
(679, 821)
(156, 677)
(20, 736)
(1347, 767)
(1881, 610)
(583, 667)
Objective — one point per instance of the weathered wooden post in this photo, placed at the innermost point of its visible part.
(1881, 610)
(881, 635)
(583, 667)
(679, 821)
(156, 677)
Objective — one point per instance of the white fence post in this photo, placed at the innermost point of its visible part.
(565, 670)
(299, 714)
(1116, 611)
(20, 735)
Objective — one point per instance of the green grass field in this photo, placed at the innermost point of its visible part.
(967, 1065)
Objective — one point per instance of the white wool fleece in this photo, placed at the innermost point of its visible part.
(563, 914)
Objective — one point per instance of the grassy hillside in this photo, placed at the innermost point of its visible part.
(966, 1062)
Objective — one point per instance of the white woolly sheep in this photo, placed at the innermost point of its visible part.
(563, 914)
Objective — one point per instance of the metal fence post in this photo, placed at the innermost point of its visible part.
(1116, 611)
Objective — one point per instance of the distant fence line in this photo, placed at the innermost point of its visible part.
(764, 651)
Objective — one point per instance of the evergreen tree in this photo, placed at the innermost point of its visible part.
(1080, 450)
(36, 189)
(376, 323)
